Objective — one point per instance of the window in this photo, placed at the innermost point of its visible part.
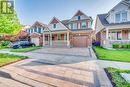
(78, 17)
(31, 30)
(39, 30)
(71, 25)
(54, 25)
(118, 17)
(84, 25)
(124, 16)
(115, 35)
(121, 16)
(35, 29)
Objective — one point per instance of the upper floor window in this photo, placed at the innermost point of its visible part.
(84, 25)
(31, 30)
(39, 30)
(79, 17)
(54, 25)
(35, 29)
(121, 16)
(71, 25)
(124, 16)
(118, 17)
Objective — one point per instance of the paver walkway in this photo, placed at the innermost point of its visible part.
(118, 65)
(55, 67)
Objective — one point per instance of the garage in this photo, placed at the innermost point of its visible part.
(35, 40)
(80, 41)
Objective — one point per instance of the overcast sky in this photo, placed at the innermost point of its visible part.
(30, 11)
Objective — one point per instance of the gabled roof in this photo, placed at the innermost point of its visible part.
(56, 20)
(102, 18)
(40, 24)
(78, 13)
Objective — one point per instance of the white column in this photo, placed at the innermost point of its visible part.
(107, 34)
(68, 40)
(50, 39)
(43, 39)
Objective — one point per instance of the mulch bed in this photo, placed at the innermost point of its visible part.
(110, 77)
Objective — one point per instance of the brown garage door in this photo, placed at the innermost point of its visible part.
(80, 41)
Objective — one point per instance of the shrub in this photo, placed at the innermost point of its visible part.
(5, 43)
(128, 46)
(121, 45)
(115, 45)
(124, 45)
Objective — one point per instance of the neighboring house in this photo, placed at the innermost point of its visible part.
(75, 32)
(114, 26)
(36, 33)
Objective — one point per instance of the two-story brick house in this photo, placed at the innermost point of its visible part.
(114, 27)
(75, 32)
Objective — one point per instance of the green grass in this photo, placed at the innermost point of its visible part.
(3, 47)
(113, 55)
(117, 78)
(9, 58)
(26, 49)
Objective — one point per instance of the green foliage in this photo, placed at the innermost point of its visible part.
(9, 23)
(5, 43)
(117, 78)
(121, 46)
(26, 49)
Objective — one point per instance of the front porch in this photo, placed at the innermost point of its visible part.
(56, 39)
(115, 36)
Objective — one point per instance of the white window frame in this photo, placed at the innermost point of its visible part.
(121, 16)
(116, 34)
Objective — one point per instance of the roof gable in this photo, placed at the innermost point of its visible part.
(38, 24)
(54, 21)
(123, 2)
(79, 13)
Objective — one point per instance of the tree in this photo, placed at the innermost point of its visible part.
(9, 23)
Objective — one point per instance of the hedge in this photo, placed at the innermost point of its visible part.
(121, 45)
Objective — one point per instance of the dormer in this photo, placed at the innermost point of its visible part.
(120, 13)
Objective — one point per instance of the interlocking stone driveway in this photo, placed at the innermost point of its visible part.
(52, 67)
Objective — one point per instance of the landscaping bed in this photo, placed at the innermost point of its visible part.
(112, 55)
(25, 49)
(6, 59)
(116, 79)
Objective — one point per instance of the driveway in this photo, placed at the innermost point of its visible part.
(55, 67)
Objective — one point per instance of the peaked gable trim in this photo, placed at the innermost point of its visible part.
(58, 21)
(81, 13)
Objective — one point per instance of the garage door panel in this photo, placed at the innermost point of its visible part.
(35, 40)
(80, 41)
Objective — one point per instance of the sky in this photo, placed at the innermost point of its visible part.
(30, 11)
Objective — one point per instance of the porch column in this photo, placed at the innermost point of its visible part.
(107, 45)
(50, 39)
(107, 34)
(68, 40)
(43, 39)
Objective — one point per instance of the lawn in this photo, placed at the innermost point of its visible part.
(26, 49)
(116, 78)
(9, 58)
(113, 55)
